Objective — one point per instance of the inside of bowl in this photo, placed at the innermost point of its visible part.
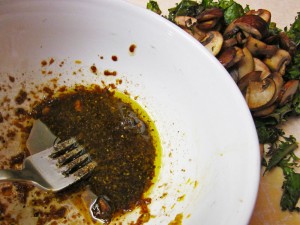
(210, 158)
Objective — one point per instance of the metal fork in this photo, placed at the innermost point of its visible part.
(54, 168)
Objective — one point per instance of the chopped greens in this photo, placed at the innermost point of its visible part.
(280, 147)
(293, 71)
(232, 12)
(291, 189)
(185, 8)
(153, 6)
(283, 150)
(294, 31)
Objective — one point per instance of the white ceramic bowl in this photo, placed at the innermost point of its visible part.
(210, 163)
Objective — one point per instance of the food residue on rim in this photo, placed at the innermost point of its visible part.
(132, 48)
(49, 62)
(177, 220)
(110, 73)
(114, 58)
(94, 69)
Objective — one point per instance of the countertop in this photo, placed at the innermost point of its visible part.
(267, 210)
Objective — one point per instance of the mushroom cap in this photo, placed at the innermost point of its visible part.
(263, 13)
(213, 42)
(210, 14)
(252, 24)
(230, 56)
(278, 61)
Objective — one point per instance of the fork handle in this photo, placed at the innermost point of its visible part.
(15, 175)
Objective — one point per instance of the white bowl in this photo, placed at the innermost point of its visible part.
(210, 163)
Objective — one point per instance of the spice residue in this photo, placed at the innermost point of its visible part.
(132, 48)
(118, 138)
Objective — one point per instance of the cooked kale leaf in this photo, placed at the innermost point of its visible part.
(284, 149)
(185, 8)
(293, 70)
(154, 7)
(291, 191)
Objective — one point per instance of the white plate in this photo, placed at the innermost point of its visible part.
(210, 162)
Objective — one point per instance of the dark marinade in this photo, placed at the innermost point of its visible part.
(117, 138)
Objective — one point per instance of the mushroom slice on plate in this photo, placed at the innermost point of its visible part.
(251, 24)
(257, 47)
(234, 73)
(229, 42)
(185, 21)
(278, 80)
(287, 92)
(207, 25)
(249, 77)
(213, 42)
(278, 61)
(265, 111)
(209, 18)
(230, 56)
(196, 33)
(210, 14)
(262, 13)
(246, 64)
(259, 94)
(260, 66)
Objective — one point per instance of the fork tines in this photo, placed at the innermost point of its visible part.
(72, 158)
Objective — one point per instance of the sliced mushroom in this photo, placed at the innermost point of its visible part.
(262, 13)
(185, 21)
(234, 73)
(246, 64)
(259, 94)
(287, 92)
(209, 18)
(245, 80)
(287, 44)
(207, 25)
(231, 56)
(278, 80)
(213, 42)
(278, 61)
(265, 111)
(260, 66)
(241, 37)
(210, 14)
(257, 47)
(252, 24)
(196, 33)
(229, 42)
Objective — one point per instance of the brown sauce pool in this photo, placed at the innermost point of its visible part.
(119, 138)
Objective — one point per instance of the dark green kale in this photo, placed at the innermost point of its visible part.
(293, 70)
(154, 7)
(282, 155)
(273, 29)
(232, 10)
(185, 8)
(296, 104)
(267, 131)
(291, 188)
(294, 31)
(281, 151)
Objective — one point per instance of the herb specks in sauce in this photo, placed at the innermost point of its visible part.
(119, 139)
